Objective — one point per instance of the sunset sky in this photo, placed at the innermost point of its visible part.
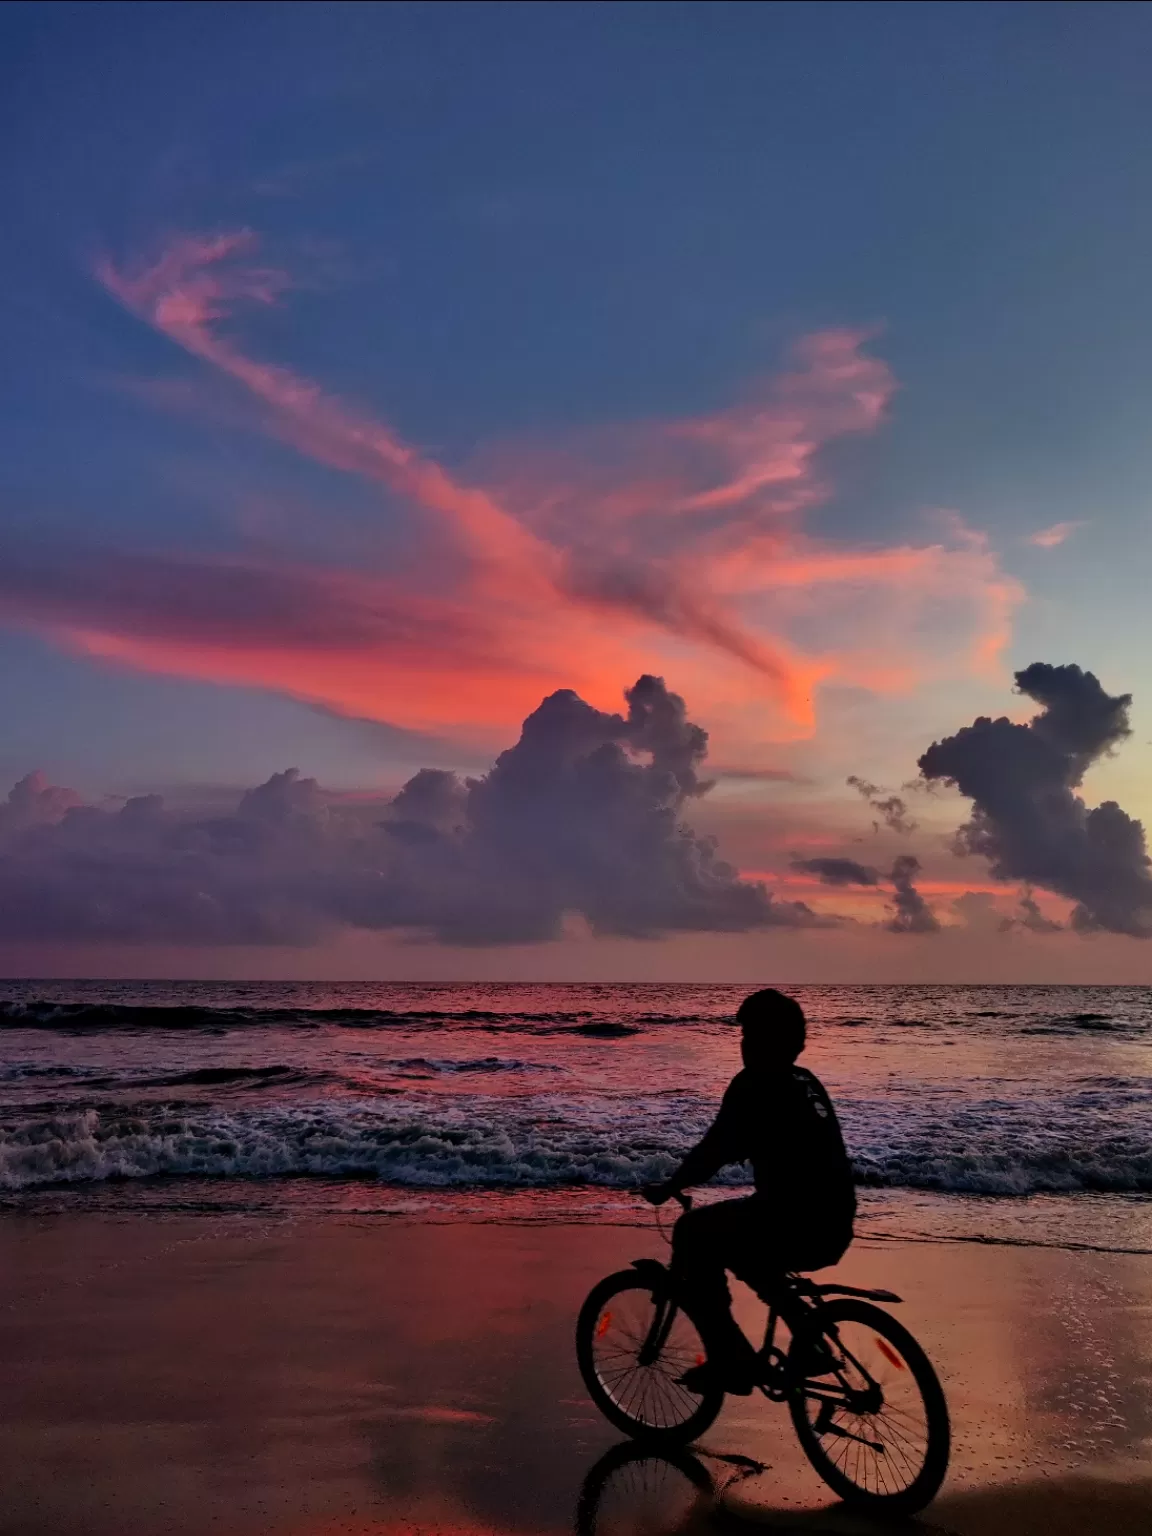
(373, 373)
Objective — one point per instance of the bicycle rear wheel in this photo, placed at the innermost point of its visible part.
(868, 1408)
(635, 1388)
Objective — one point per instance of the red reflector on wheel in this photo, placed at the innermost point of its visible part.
(889, 1353)
(603, 1325)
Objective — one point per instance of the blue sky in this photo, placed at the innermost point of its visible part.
(511, 231)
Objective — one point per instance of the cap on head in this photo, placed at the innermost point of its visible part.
(773, 1029)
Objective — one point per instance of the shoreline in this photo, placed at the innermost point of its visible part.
(253, 1374)
(1083, 1221)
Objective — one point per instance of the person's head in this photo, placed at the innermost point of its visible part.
(772, 1029)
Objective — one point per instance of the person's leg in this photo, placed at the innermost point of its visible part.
(775, 1244)
(706, 1242)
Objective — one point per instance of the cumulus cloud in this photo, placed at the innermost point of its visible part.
(583, 815)
(891, 809)
(1027, 819)
(838, 871)
(910, 912)
(33, 801)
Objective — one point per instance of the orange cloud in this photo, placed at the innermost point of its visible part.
(668, 546)
(361, 644)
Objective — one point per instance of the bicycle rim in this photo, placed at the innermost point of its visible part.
(642, 1398)
(876, 1427)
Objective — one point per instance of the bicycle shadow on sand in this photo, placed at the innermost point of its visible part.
(637, 1490)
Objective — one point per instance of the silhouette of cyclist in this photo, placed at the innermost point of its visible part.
(776, 1116)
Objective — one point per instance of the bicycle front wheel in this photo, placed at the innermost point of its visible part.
(633, 1384)
(868, 1408)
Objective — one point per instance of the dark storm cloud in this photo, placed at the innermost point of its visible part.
(910, 912)
(1029, 916)
(892, 810)
(838, 871)
(582, 815)
(1027, 820)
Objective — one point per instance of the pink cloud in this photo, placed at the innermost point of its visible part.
(1049, 538)
(670, 545)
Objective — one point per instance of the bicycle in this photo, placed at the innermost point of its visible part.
(865, 1401)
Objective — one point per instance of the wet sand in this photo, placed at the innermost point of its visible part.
(342, 1375)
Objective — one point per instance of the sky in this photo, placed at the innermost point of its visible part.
(547, 491)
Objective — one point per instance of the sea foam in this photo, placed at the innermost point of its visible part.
(544, 1143)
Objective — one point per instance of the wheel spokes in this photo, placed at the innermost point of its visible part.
(881, 1449)
(649, 1393)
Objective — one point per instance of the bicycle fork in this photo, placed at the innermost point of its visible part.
(661, 1327)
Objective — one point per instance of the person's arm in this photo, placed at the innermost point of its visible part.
(722, 1143)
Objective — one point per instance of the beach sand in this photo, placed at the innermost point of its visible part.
(344, 1375)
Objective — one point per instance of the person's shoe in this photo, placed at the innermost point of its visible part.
(708, 1376)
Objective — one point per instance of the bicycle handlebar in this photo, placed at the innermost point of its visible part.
(684, 1201)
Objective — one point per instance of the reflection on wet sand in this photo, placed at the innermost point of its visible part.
(641, 1490)
(635, 1490)
(331, 1376)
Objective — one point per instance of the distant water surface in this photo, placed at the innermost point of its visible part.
(1019, 1113)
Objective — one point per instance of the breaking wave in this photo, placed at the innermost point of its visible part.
(537, 1088)
(542, 1143)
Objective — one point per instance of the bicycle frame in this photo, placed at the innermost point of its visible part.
(796, 1302)
(799, 1303)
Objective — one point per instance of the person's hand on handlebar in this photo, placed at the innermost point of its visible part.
(657, 1194)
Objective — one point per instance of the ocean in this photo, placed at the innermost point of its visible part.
(1016, 1114)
